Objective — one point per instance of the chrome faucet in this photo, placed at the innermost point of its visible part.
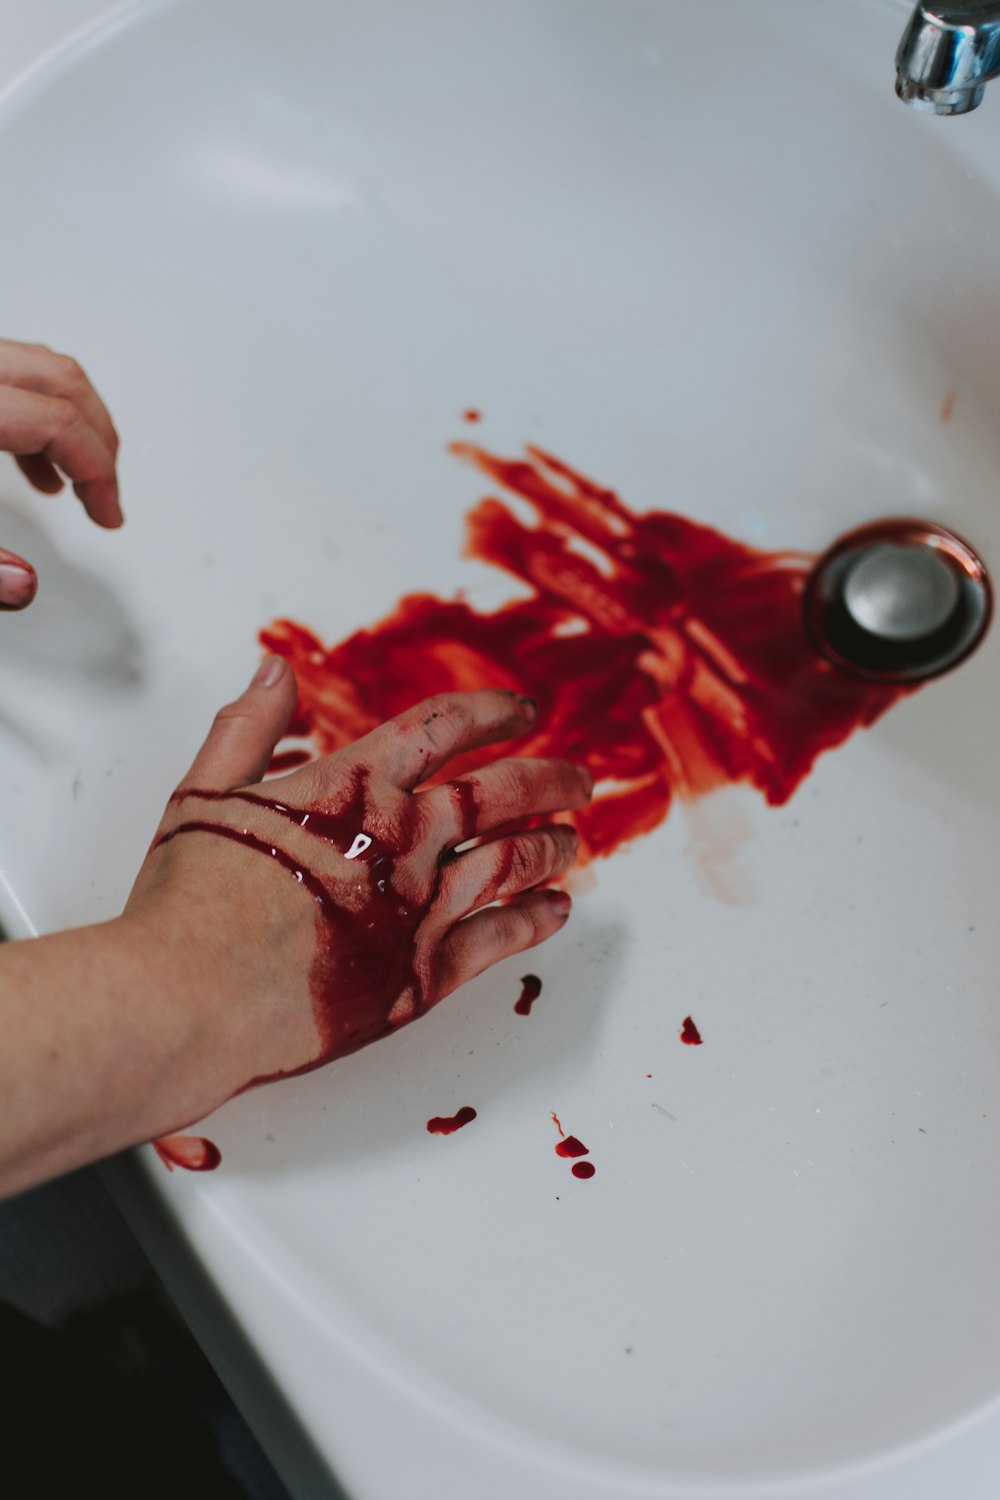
(948, 54)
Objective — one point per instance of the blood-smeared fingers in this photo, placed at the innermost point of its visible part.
(508, 791)
(485, 938)
(505, 867)
(414, 746)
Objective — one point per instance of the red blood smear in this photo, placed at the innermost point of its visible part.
(556, 1121)
(464, 794)
(364, 959)
(471, 415)
(666, 657)
(571, 1147)
(192, 1152)
(448, 1124)
(584, 1169)
(288, 760)
(690, 1035)
(531, 988)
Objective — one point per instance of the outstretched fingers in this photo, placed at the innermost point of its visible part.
(56, 425)
(412, 748)
(508, 791)
(53, 432)
(498, 932)
(503, 868)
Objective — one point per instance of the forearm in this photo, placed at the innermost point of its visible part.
(103, 1047)
(257, 944)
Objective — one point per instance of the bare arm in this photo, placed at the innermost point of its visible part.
(275, 926)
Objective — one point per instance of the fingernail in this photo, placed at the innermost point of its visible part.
(18, 585)
(560, 902)
(529, 705)
(586, 778)
(270, 672)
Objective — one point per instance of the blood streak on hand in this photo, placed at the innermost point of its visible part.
(365, 950)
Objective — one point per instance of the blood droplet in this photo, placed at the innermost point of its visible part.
(192, 1152)
(570, 1146)
(690, 1035)
(448, 1124)
(531, 988)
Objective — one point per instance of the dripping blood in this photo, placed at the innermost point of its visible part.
(570, 1146)
(192, 1152)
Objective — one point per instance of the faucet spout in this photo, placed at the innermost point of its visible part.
(948, 54)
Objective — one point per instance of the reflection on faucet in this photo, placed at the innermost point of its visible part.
(948, 54)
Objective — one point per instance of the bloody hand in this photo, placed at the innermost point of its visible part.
(343, 900)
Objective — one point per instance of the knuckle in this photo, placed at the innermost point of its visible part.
(513, 926)
(529, 862)
(499, 921)
(525, 783)
(229, 715)
(70, 371)
(515, 786)
(64, 413)
(560, 850)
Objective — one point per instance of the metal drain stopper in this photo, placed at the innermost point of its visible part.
(901, 592)
(898, 600)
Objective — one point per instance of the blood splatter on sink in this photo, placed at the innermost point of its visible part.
(668, 658)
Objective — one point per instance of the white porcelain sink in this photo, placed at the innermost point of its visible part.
(701, 253)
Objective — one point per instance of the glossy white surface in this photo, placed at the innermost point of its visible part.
(292, 246)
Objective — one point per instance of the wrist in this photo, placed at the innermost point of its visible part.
(104, 1048)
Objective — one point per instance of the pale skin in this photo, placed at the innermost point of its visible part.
(134, 1028)
(58, 429)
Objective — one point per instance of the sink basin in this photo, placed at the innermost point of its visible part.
(702, 255)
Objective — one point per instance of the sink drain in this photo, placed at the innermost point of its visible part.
(898, 600)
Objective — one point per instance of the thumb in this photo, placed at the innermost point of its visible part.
(241, 741)
(18, 581)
